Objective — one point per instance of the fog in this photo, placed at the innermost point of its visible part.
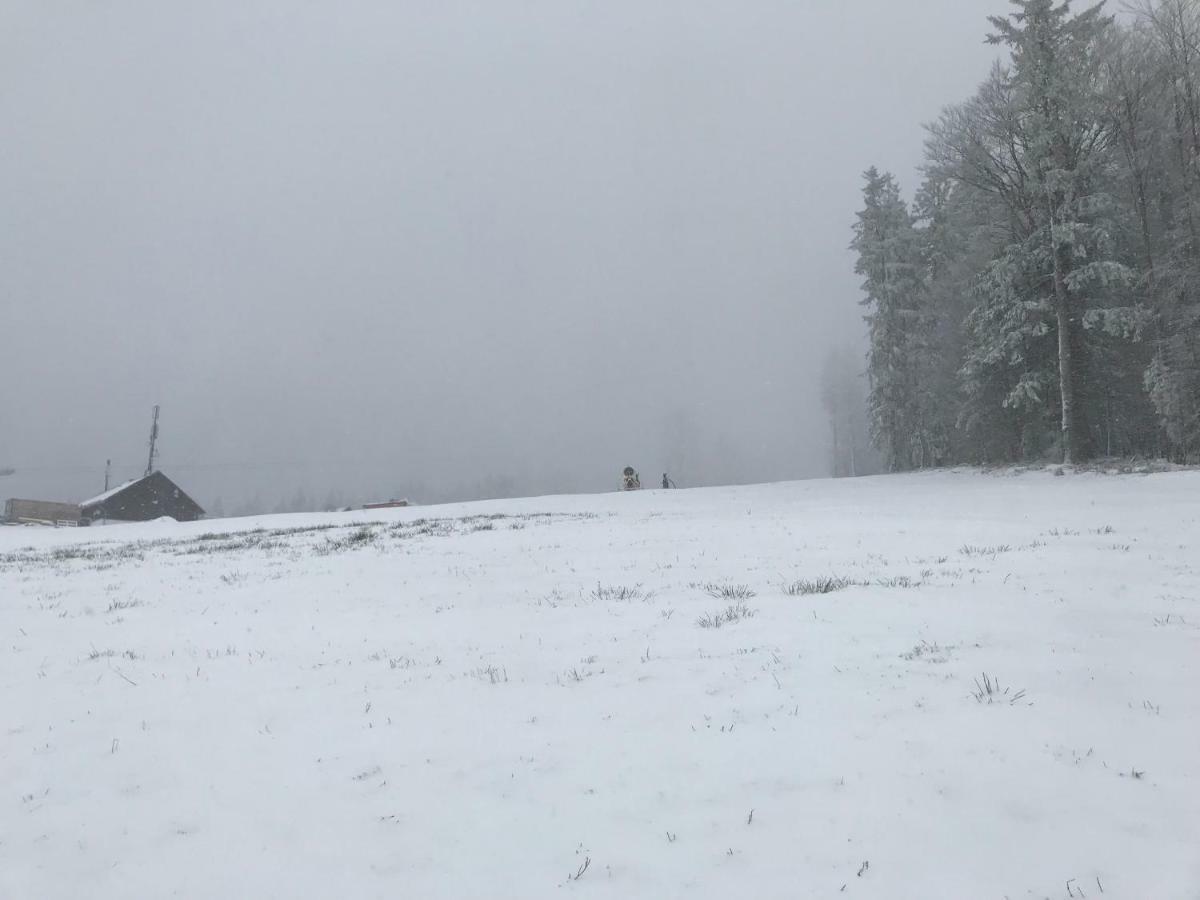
(359, 249)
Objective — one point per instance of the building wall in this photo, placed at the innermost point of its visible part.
(41, 510)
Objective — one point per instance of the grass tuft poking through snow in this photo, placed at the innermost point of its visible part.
(992, 550)
(989, 691)
(619, 593)
(735, 612)
(826, 585)
(728, 591)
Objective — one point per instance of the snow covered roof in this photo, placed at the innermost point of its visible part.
(112, 492)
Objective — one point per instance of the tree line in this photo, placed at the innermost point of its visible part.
(1040, 296)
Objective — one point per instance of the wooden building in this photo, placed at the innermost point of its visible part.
(385, 504)
(142, 500)
(40, 512)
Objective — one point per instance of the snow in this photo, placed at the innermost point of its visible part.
(463, 702)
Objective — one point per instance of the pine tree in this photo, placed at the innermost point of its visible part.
(1055, 76)
(1008, 372)
(953, 227)
(889, 261)
(1167, 48)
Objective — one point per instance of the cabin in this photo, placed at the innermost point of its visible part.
(385, 504)
(142, 500)
(40, 512)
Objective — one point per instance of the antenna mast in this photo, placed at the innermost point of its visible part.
(153, 443)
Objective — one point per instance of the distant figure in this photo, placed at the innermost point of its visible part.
(631, 481)
(667, 482)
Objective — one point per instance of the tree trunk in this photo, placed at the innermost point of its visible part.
(1066, 373)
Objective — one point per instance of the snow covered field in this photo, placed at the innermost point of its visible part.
(615, 696)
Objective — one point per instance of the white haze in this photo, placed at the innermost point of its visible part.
(361, 248)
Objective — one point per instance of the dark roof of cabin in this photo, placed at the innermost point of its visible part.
(151, 482)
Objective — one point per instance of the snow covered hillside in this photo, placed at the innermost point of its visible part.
(939, 685)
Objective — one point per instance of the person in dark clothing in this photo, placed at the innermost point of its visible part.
(667, 482)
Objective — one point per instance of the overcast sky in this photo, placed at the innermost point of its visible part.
(370, 246)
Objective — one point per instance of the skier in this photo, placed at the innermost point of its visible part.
(631, 481)
(667, 482)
